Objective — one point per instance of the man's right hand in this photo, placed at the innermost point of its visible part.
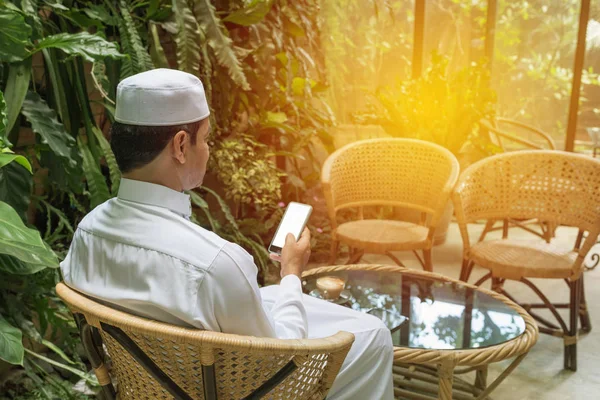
(295, 254)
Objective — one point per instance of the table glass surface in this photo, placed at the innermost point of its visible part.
(439, 315)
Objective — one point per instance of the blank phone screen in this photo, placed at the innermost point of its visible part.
(292, 222)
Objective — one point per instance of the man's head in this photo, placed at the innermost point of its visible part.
(161, 129)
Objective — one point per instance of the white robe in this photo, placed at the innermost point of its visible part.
(140, 253)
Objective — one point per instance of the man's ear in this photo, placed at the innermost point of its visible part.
(180, 143)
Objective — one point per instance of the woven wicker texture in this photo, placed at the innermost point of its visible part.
(242, 363)
(516, 258)
(380, 236)
(552, 186)
(400, 172)
(408, 173)
(549, 185)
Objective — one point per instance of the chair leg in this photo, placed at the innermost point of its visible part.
(505, 229)
(584, 315)
(481, 377)
(427, 265)
(570, 357)
(465, 271)
(489, 225)
(355, 255)
(497, 284)
(335, 247)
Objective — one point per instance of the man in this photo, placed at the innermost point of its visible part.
(139, 252)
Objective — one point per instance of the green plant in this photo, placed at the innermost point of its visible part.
(365, 44)
(370, 42)
(30, 316)
(439, 107)
(60, 64)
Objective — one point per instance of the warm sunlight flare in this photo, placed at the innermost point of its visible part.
(299, 199)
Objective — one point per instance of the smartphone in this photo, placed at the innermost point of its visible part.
(294, 220)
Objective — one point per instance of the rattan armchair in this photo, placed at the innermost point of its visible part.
(408, 173)
(153, 360)
(562, 188)
(511, 135)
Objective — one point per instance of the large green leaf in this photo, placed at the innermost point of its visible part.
(131, 41)
(251, 14)
(11, 345)
(91, 379)
(16, 89)
(100, 13)
(14, 266)
(6, 157)
(111, 161)
(15, 188)
(22, 242)
(90, 47)
(68, 178)
(44, 122)
(95, 180)
(187, 38)
(219, 41)
(59, 91)
(14, 36)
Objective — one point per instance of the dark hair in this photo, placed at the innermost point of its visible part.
(135, 145)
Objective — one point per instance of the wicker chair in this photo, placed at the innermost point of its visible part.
(562, 188)
(153, 360)
(394, 172)
(511, 135)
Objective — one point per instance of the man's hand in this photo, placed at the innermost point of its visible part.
(294, 255)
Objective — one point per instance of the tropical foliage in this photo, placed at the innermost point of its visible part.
(60, 64)
(532, 68)
(439, 107)
(267, 69)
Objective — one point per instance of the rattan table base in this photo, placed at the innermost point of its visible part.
(422, 383)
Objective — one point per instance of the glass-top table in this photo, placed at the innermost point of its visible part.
(437, 324)
(424, 312)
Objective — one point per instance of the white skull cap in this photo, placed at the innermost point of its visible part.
(161, 97)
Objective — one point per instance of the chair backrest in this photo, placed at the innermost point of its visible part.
(552, 186)
(189, 357)
(513, 135)
(390, 171)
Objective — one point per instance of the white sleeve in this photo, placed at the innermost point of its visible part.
(237, 302)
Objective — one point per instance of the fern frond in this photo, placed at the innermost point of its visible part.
(206, 69)
(111, 161)
(95, 180)
(127, 62)
(187, 37)
(198, 201)
(132, 43)
(225, 209)
(219, 41)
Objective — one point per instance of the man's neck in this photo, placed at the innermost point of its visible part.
(152, 174)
